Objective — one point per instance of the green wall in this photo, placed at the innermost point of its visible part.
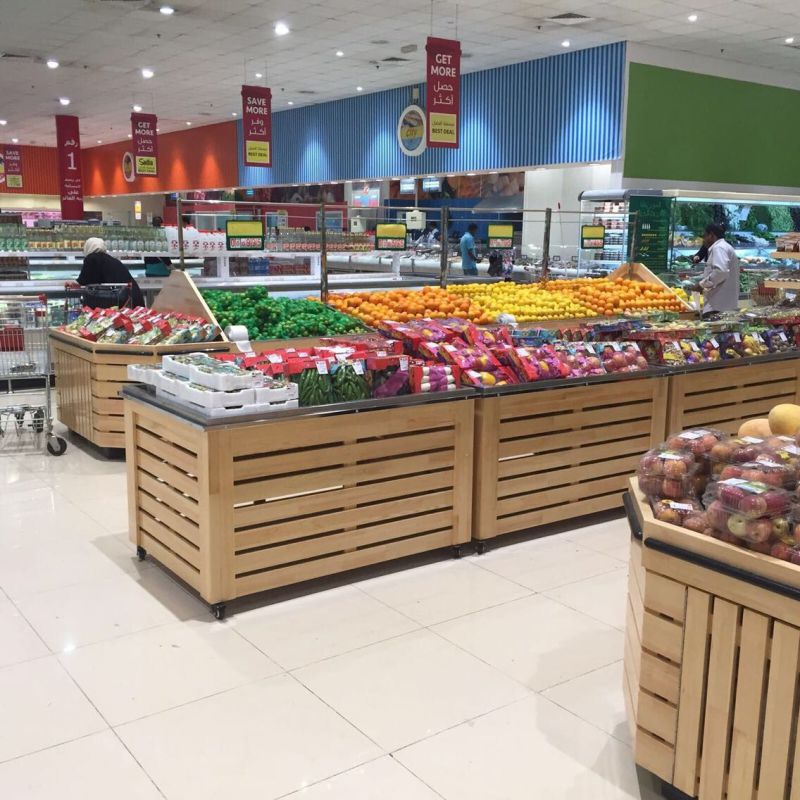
(687, 127)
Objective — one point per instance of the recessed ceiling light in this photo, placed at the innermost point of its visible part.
(64, 101)
(565, 43)
(692, 17)
(291, 103)
(234, 114)
(52, 63)
(259, 75)
(137, 109)
(158, 130)
(15, 141)
(130, 136)
(339, 53)
(470, 174)
(167, 11)
(147, 73)
(790, 40)
(188, 123)
(359, 88)
(99, 141)
(281, 29)
(3, 122)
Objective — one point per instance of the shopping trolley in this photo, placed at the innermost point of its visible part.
(25, 358)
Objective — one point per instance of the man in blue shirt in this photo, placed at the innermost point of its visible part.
(469, 259)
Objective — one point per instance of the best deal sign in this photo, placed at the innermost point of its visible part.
(257, 126)
(443, 95)
(145, 144)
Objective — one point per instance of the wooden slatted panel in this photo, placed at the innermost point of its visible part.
(662, 637)
(549, 448)
(780, 713)
(319, 495)
(654, 754)
(746, 734)
(724, 398)
(73, 380)
(691, 701)
(665, 597)
(719, 699)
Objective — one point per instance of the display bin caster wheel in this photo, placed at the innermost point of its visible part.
(56, 446)
(481, 547)
(457, 551)
(218, 610)
(141, 553)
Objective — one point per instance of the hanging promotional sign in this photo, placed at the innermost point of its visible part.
(13, 165)
(411, 131)
(257, 126)
(145, 144)
(70, 177)
(443, 93)
(244, 234)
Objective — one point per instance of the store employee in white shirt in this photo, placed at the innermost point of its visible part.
(720, 280)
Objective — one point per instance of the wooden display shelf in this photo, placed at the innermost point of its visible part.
(724, 397)
(712, 657)
(554, 454)
(240, 508)
(89, 376)
(785, 255)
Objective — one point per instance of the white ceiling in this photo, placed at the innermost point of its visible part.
(199, 54)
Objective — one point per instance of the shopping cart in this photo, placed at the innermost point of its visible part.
(25, 359)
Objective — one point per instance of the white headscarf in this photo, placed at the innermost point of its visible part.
(93, 245)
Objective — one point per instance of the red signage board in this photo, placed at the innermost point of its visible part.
(257, 126)
(145, 144)
(443, 92)
(12, 157)
(70, 176)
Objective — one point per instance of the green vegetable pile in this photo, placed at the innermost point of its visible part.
(277, 317)
(314, 389)
(347, 385)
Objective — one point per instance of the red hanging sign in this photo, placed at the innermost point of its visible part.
(70, 176)
(13, 159)
(145, 144)
(443, 93)
(257, 126)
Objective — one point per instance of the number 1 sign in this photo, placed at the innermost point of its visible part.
(70, 176)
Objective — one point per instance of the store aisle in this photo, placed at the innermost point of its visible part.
(491, 677)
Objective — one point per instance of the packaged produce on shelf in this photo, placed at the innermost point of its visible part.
(686, 512)
(488, 337)
(710, 348)
(622, 357)
(388, 375)
(750, 499)
(763, 470)
(580, 358)
(366, 342)
(348, 382)
(692, 352)
(434, 378)
(533, 364)
(665, 353)
(698, 441)
(313, 383)
(668, 474)
(138, 325)
(267, 317)
(777, 341)
(487, 380)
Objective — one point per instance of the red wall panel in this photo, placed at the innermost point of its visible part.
(39, 172)
(200, 158)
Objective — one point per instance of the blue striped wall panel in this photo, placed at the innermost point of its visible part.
(556, 110)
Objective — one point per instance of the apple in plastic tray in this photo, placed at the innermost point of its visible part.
(752, 499)
(761, 471)
(624, 357)
(699, 441)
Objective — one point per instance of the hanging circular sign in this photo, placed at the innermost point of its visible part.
(411, 131)
(127, 167)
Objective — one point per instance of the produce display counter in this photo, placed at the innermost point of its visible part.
(239, 507)
(712, 655)
(89, 376)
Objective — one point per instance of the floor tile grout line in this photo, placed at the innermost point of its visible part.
(581, 675)
(39, 636)
(38, 750)
(139, 763)
(579, 611)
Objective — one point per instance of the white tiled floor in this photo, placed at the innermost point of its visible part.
(496, 677)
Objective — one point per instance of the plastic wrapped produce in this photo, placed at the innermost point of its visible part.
(665, 353)
(710, 348)
(737, 450)
(471, 357)
(777, 341)
(538, 363)
(734, 527)
(675, 512)
(750, 499)
(388, 375)
(699, 441)
(348, 382)
(622, 357)
(668, 474)
(763, 470)
(434, 378)
(487, 380)
(488, 336)
(691, 351)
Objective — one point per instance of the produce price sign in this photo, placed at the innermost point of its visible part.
(145, 144)
(501, 237)
(593, 237)
(12, 158)
(653, 222)
(70, 176)
(244, 234)
(443, 92)
(257, 126)
(390, 236)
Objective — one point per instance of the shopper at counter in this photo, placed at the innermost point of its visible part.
(100, 267)
(720, 280)
(469, 258)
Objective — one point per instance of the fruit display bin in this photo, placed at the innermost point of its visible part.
(712, 655)
(89, 376)
(239, 507)
(556, 450)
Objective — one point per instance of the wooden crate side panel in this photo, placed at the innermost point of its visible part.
(576, 442)
(369, 499)
(73, 381)
(485, 491)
